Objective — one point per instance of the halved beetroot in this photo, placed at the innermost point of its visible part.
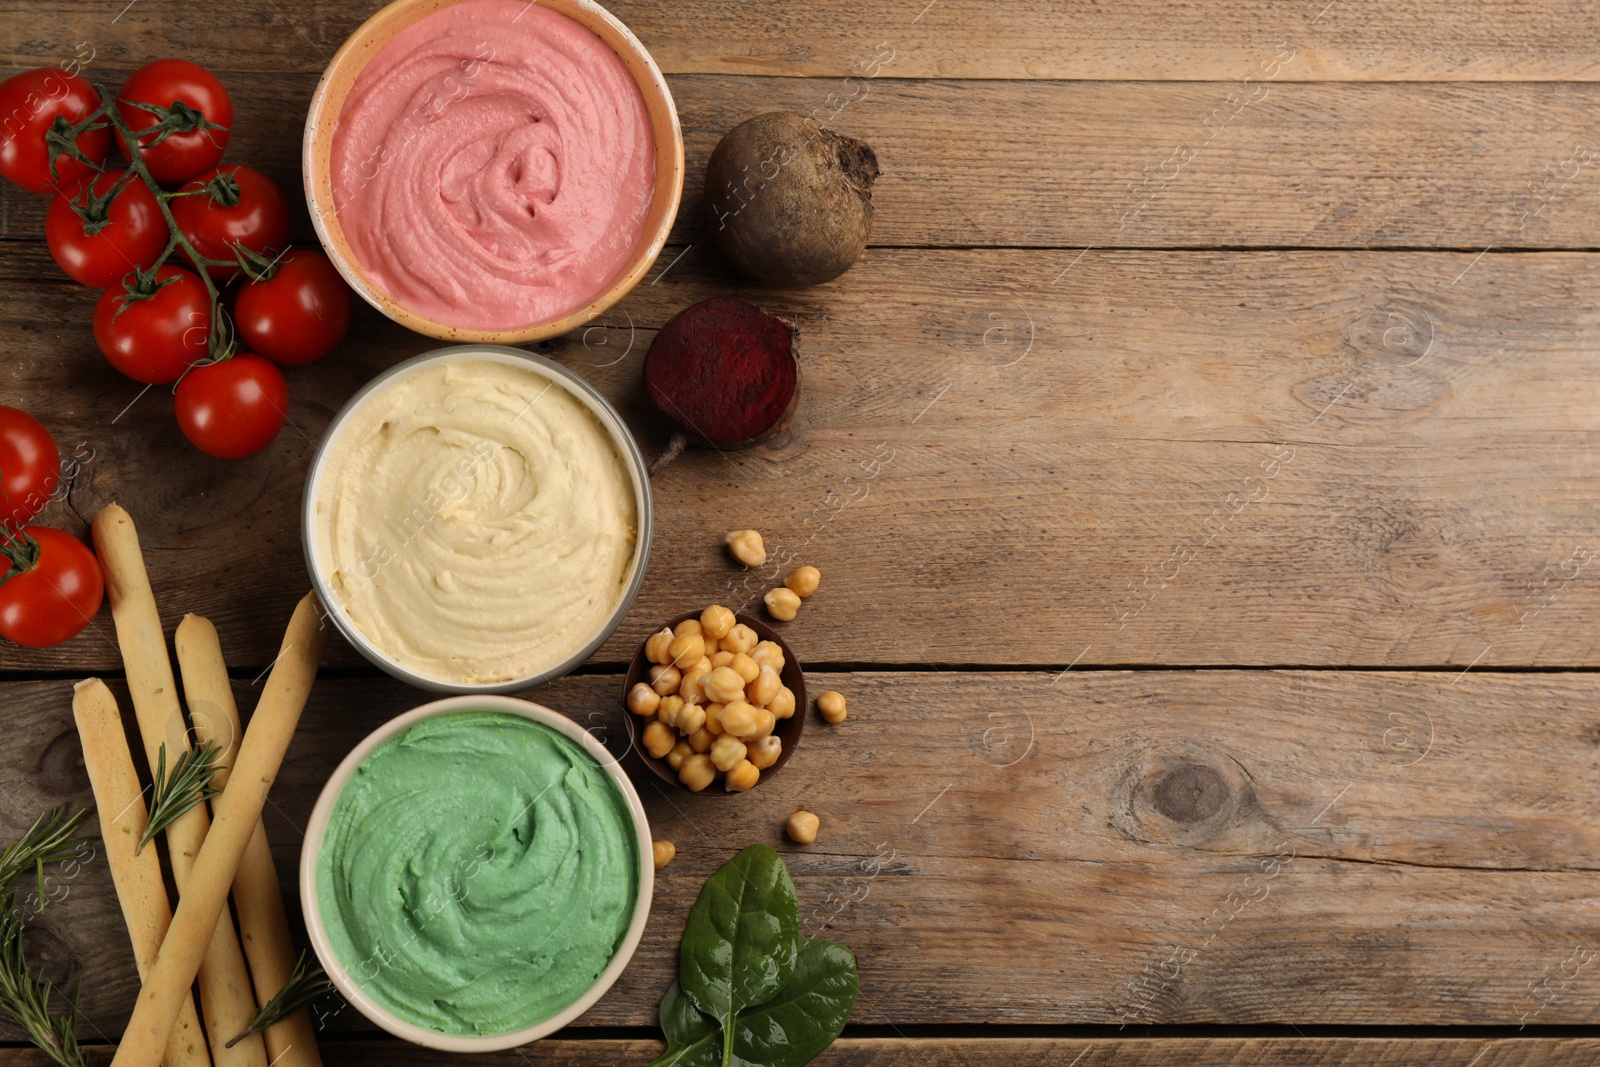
(726, 372)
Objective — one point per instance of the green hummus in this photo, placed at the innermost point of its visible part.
(478, 873)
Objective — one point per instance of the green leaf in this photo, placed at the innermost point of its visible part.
(693, 1038)
(807, 1014)
(741, 939)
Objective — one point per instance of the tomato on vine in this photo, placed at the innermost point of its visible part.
(53, 587)
(233, 407)
(154, 328)
(104, 228)
(32, 102)
(180, 115)
(298, 313)
(30, 467)
(230, 206)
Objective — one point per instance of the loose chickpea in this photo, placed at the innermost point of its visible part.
(697, 772)
(739, 718)
(671, 707)
(764, 688)
(690, 719)
(727, 751)
(659, 739)
(680, 752)
(665, 679)
(769, 654)
(782, 604)
(721, 658)
(763, 727)
(803, 827)
(747, 547)
(702, 740)
(714, 718)
(716, 621)
(743, 776)
(661, 853)
(740, 639)
(765, 752)
(642, 700)
(655, 649)
(687, 650)
(687, 626)
(747, 669)
(831, 704)
(692, 688)
(782, 705)
(803, 580)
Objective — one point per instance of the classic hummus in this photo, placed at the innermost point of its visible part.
(476, 521)
(478, 873)
(493, 165)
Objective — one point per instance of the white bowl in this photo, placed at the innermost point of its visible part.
(580, 389)
(318, 828)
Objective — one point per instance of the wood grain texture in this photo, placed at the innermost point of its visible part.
(1433, 40)
(1171, 847)
(1164, 458)
(1121, 164)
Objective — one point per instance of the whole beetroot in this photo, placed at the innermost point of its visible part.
(791, 200)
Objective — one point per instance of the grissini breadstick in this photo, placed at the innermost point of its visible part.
(263, 922)
(227, 1003)
(237, 813)
(137, 876)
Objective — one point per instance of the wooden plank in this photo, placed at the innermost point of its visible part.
(1163, 458)
(1094, 848)
(1156, 39)
(1125, 164)
(1005, 1052)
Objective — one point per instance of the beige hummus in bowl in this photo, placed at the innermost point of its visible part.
(477, 520)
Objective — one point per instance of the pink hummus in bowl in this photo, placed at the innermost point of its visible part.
(493, 170)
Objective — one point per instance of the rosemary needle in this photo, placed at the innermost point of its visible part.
(171, 798)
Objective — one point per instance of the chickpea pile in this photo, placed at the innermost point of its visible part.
(714, 697)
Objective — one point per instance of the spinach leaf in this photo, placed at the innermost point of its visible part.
(740, 942)
(806, 1015)
(693, 1039)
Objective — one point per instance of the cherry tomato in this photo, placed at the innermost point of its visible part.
(52, 590)
(97, 242)
(30, 467)
(232, 408)
(30, 102)
(200, 127)
(257, 218)
(299, 314)
(155, 339)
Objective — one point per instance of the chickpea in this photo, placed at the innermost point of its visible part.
(716, 621)
(671, 707)
(703, 664)
(690, 719)
(802, 827)
(763, 727)
(831, 704)
(680, 752)
(714, 718)
(723, 685)
(727, 751)
(686, 627)
(782, 604)
(659, 739)
(687, 650)
(782, 705)
(665, 679)
(747, 547)
(702, 740)
(697, 772)
(739, 718)
(803, 581)
(743, 776)
(764, 688)
(769, 654)
(655, 649)
(765, 752)
(740, 639)
(642, 700)
(747, 669)
(721, 658)
(693, 689)
(661, 853)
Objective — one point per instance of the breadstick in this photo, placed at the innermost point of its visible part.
(263, 923)
(237, 813)
(227, 1002)
(137, 876)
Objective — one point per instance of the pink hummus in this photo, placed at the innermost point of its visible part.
(493, 165)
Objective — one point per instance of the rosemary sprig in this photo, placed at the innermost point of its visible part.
(306, 983)
(172, 797)
(51, 838)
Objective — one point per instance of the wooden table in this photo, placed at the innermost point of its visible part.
(1201, 464)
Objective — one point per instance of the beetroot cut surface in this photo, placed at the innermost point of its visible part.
(725, 371)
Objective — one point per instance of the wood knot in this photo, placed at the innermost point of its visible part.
(1183, 793)
(59, 769)
(1191, 793)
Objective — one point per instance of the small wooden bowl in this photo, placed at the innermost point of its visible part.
(317, 163)
(788, 730)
